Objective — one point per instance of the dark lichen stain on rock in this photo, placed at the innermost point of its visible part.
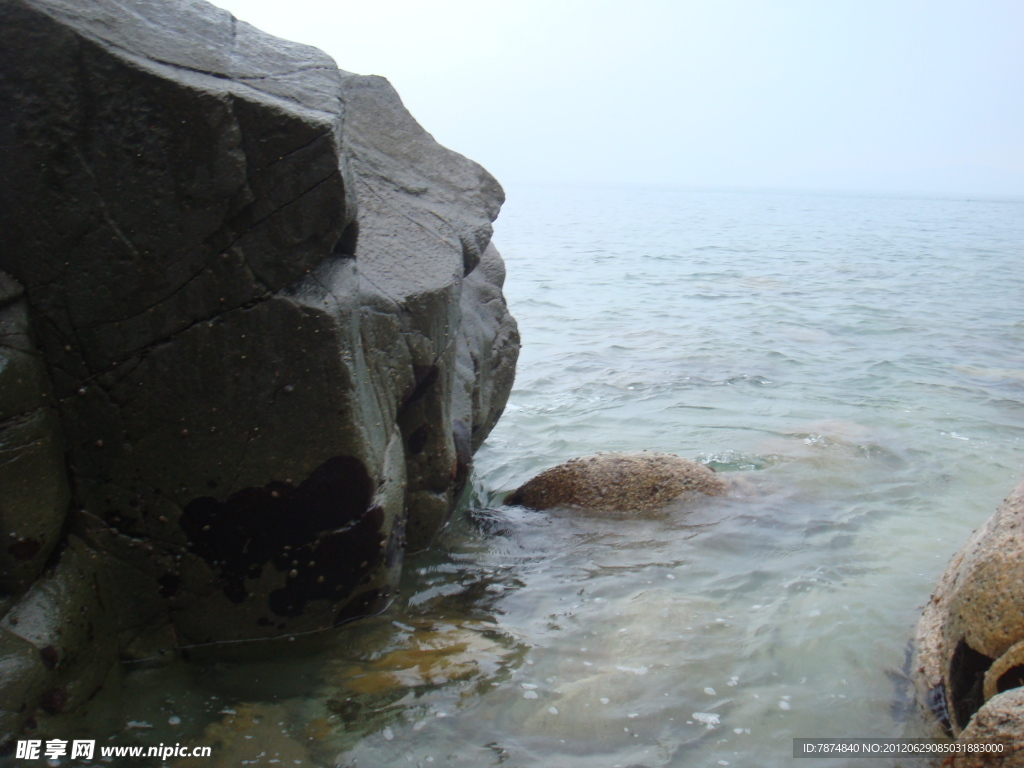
(169, 584)
(323, 534)
(418, 439)
(463, 455)
(24, 549)
(339, 562)
(54, 700)
(424, 377)
(50, 657)
(366, 603)
(346, 245)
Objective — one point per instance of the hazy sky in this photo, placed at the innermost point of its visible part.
(884, 95)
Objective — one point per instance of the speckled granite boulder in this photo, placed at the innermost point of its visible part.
(995, 731)
(617, 483)
(251, 329)
(971, 635)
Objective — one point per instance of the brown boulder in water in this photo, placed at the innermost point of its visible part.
(970, 640)
(618, 482)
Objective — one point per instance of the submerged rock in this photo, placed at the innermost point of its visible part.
(970, 640)
(251, 332)
(618, 482)
(432, 655)
(251, 733)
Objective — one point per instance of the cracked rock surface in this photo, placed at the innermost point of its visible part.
(969, 650)
(251, 333)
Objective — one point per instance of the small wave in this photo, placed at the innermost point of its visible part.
(737, 461)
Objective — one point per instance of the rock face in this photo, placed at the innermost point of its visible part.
(251, 332)
(969, 658)
(617, 483)
(995, 733)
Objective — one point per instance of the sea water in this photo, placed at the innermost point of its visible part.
(855, 362)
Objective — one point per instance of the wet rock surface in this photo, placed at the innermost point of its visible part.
(618, 483)
(968, 664)
(32, 476)
(251, 332)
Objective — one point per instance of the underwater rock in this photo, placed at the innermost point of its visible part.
(251, 733)
(374, 680)
(432, 655)
(970, 640)
(618, 482)
(829, 446)
(599, 689)
(267, 329)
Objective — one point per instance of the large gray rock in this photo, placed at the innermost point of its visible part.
(969, 647)
(424, 234)
(267, 330)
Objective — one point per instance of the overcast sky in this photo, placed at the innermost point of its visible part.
(874, 95)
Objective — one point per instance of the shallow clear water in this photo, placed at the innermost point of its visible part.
(856, 363)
